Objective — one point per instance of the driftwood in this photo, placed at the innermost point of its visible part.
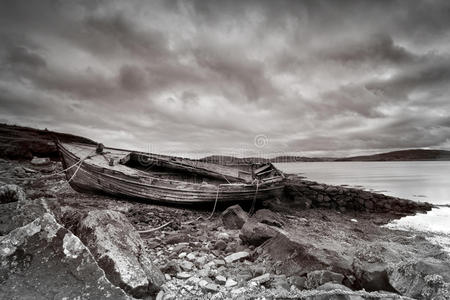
(155, 229)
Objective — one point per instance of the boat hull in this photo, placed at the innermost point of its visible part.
(92, 178)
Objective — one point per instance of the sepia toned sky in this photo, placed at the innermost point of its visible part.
(232, 77)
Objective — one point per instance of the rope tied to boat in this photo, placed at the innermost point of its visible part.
(215, 203)
(80, 162)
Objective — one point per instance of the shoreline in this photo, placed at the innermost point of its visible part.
(334, 240)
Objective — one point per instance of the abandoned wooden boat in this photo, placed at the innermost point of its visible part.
(165, 179)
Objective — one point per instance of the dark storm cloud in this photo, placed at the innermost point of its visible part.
(22, 55)
(378, 48)
(212, 75)
(423, 77)
(115, 33)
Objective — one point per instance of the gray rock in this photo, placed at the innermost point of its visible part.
(120, 251)
(41, 161)
(171, 268)
(223, 236)
(298, 281)
(370, 266)
(236, 256)
(268, 217)
(317, 278)
(318, 187)
(212, 287)
(421, 279)
(11, 193)
(20, 172)
(43, 260)
(230, 283)
(220, 245)
(186, 265)
(255, 233)
(280, 281)
(184, 275)
(330, 286)
(221, 279)
(177, 238)
(234, 217)
(297, 255)
(261, 279)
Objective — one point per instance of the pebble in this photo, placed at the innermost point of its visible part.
(180, 246)
(202, 283)
(204, 272)
(201, 260)
(236, 256)
(210, 264)
(354, 220)
(221, 279)
(230, 283)
(258, 270)
(190, 256)
(183, 275)
(220, 245)
(186, 265)
(223, 236)
(261, 279)
(160, 295)
(38, 161)
(193, 280)
(219, 262)
(182, 255)
(167, 276)
(212, 287)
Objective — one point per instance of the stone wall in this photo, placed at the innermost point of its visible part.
(309, 194)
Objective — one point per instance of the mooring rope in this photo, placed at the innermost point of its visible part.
(81, 163)
(62, 171)
(215, 203)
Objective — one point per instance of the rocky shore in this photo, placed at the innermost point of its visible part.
(318, 242)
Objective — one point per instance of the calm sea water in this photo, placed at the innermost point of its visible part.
(415, 180)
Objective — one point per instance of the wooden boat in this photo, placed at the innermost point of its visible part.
(165, 179)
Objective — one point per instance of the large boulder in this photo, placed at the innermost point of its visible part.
(300, 255)
(43, 260)
(120, 252)
(421, 279)
(268, 217)
(234, 217)
(370, 266)
(255, 233)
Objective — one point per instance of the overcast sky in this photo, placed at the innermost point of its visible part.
(308, 77)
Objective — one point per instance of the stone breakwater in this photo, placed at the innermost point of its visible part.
(301, 193)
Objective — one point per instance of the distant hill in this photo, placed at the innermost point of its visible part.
(230, 160)
(17, 142)
(403, 155)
